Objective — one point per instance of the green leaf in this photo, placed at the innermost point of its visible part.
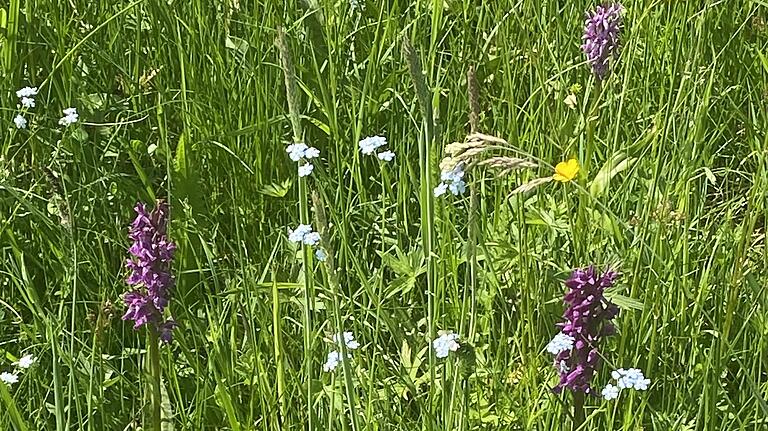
(11, 409)
(276, 190)
(618, 163)
(237, 44)
(187, 181)
(166, 410)
(180, 163)
(132, 150)
(624, 302)
(223, 400)
(399, 264)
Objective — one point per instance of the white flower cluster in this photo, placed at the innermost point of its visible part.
(27, 101)
(560, 343)
(333, 361)
(349, 340)
(23, 363)
(625, 379)
(26, 97)
(452, 180)
(300, 151)
(371, 144)
(445, 343)
(70, 117)
(304, 234)
(334, 357)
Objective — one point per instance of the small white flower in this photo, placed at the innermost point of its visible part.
(631, 378)
(562, 367)
(306, 169)
(349, 340)
(571, 101)
(610, 392)
(321, 255)
(8, 378)
(560, 343)
(333, 360)
(27, 102)
(296, 151)
(387, 156)
(70, 117)
(445, 344)
(457, 187)
(454, 175)
(301, 231)
(311, 153)
(370, 144)
(440, 189)
(453, 180)
(26, 361)
(642, 384)
(312, 238)
(26, 92)
(20, 122)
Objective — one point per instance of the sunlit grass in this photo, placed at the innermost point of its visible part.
(187, 101)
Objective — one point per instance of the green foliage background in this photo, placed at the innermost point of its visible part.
(185, 100)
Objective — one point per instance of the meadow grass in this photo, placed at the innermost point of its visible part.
(186, 101)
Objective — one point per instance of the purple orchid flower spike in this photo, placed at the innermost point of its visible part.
(150, 270)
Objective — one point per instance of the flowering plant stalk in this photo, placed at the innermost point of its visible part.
(152, 281)
(294, 109)
(333, 281)
(587, 319)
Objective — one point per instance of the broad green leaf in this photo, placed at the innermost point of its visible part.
(624, 302)
(618, 163)
(237, 44)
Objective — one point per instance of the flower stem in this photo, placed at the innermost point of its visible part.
(578, 410)
(154, 365)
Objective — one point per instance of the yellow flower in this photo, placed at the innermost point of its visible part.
(566, 171)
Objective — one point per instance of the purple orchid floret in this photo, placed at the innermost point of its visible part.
(150, 270)
(587, 319)
(602, 28)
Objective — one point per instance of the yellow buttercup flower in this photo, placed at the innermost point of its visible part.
(566, 171)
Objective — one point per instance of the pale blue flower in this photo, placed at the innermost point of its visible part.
(631, 378)
(386, 156)
(312, 238)
(20, 122)
(26, 92)
(440, 189)
(299, 233)
(370, 144)
(25, 361)
(349, 340)
(321, 255)
(445, 344)
(27, 102)
(306, 169)
(8, 378)
(70, 117)
(610, 392)
(457, 187)
(311, 153)
(560, 343)
(332, 361)
(296, 151)
(453, 180)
